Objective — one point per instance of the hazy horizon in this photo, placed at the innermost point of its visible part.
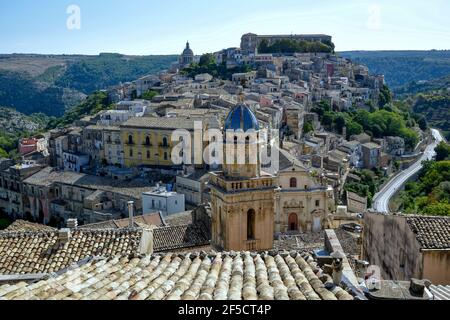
(139, 27)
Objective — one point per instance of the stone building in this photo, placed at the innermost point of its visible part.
(242, 196)
(113, 146)
(148, 141)
(406, 246)
(251, 41)
(13, 200)
(302, 203)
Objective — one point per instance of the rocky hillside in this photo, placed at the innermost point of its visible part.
(52, 84)
(12, 121)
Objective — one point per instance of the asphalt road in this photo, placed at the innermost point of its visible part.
(382, 199)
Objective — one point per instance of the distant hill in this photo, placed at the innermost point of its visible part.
(51, 84)
(414, 87)
(403, 67)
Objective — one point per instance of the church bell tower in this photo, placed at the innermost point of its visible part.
(242, 196)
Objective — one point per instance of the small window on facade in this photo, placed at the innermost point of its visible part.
(293, 183)
(148, 154)
(131, 153)
(165, 142)
(130, 139)
(165, 156)
(147, 141)
(317, 203)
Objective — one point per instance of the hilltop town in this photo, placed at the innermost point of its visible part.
(103, 193)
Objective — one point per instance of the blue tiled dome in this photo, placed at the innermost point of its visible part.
(241, 118)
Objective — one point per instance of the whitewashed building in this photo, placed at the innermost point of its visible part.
(166, 202)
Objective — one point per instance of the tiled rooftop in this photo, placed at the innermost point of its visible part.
(178, 237)
(431, 232)
(23, 226)
(48, 176)
(42, 252)
(221, 276)
(147, 220)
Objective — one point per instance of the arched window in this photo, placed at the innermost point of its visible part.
(165, 142)
(130, 139)
(251, 217)
(147, 141)
(131, 153)
(293, 183)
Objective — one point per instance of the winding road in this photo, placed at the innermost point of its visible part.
(382, 199)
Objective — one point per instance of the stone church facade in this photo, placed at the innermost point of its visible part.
(248, 206)
(304, 204)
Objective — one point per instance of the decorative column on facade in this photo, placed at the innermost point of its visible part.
(278, 209)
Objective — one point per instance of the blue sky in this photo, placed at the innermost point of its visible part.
(163, 26)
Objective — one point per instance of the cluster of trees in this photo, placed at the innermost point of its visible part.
(295, 46)
(94, 103)
(388, 121)
(207, 64)
(434, 107)
(369, 184)
(430, 194)
(149, 95)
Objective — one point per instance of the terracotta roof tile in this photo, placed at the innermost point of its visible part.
(42, 252)
(219, 276)
(178, 237)
(431, 232)
(22, 225)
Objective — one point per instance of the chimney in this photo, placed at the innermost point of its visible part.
(130, 214)
(337, 266)
(72, 224)
(146, 243)
(64, 235)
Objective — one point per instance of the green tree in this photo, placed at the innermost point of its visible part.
(3, 153)
(423, 124)
(263, 46)
(207, 59)
(339, 123)
(354, 128)
(437, 209)
(442, 151)
(385, 96)
(308, 127)
(149, 95)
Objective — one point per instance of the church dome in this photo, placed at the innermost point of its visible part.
(188, 51)
(241, 118)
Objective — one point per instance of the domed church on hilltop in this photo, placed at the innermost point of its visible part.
(187, 57)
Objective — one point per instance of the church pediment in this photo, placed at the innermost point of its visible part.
(293, 204)
(295, 168)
